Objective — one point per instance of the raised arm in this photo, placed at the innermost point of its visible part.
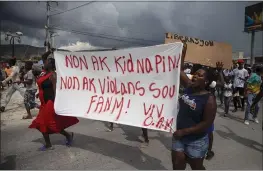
(46, 54)
(185, 81)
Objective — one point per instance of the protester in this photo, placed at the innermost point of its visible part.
(219, 86)
(47, 122)
(228, 89)
(8, 72)
(257, 98)
(22, 73)
(31, 89)
(240, 77)
(219, 78)
(210, 154)
(14, 76)
(253, 88)
(228, 73)
(1, 79)
(196, 115)
(249, 70)
(256, 101)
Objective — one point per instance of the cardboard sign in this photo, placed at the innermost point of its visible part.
(202, 51)
(137, 87)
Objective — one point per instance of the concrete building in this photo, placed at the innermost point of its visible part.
(240, 55)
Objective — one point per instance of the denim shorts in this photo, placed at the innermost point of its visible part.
(192, 148)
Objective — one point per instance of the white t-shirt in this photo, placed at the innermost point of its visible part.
(240, 73)
(228, 72)
(30, 76)
(228, 90)
(14, 75)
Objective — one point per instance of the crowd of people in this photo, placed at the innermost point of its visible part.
(193, 139)
(239, 85)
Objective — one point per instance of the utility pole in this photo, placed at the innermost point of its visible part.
(52, 35)
(47, 26)
(252, 57)
(12, 37)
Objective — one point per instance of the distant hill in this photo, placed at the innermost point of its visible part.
(22, 51)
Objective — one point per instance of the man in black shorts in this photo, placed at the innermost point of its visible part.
(240, 77)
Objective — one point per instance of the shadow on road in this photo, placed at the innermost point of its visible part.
(133, 134)
(244, 141)
(130, 155)
(230, 117)
(166, 141)
(9, 163)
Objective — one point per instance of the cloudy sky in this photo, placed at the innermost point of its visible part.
(128, 24)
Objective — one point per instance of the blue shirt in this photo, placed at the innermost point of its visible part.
(191, 112)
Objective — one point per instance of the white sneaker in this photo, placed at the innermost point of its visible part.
(246, 122)
(256, 120)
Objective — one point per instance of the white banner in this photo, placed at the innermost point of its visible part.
(137, 87)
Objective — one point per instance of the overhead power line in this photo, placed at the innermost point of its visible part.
(88, 23)
(73, 8)
(85, 22)
(100, 36)
(120, 37)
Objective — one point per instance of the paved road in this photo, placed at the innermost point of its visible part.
(236, 145)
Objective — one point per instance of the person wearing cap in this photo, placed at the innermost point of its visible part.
(14, 76)
(240, 77)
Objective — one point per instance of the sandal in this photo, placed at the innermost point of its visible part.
(69, 142)
(109, 129)
(45, 148)
(210, 155)
(27, 117)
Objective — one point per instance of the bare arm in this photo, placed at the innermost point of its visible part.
(45, 55)
(53, 79)
(14, 73)
(208, 118)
